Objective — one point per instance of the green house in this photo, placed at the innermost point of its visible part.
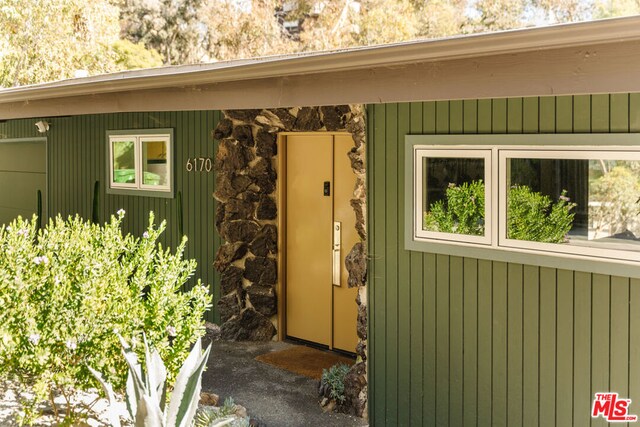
(462, 214)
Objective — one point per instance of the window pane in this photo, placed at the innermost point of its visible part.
(154, 163)
(124, 169)
(590, 202)
(453, 195)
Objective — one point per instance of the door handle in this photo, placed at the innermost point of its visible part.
(337, 235)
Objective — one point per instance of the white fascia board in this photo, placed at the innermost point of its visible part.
(514, 41)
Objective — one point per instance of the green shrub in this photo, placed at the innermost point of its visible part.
(530, 215)
(333, 378)
(534, 217)
(65, 289)
(462, 212)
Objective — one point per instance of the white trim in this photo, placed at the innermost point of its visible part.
(445, 49)
(463, 152)
(545, 152)
(122, 138)
(138, 185)
(496, 183)
(166, 139)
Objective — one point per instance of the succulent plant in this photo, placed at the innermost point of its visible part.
(146, 390)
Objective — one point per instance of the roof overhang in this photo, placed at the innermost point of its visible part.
(592, 57)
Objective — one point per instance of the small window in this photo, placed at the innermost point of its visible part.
(140, 163)
(452, 190)
(571, 201)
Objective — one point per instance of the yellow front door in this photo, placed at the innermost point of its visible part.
(320, 231)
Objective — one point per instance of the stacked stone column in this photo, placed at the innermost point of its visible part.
(246, 217)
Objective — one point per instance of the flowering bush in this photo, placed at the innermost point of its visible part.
(65, 290)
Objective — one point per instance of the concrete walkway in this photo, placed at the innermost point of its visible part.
(273, 396)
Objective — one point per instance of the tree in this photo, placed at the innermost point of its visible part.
(171, 27)
(613, 8)
(49, 40)
(235, 32)
(131, 56)
(494, 15)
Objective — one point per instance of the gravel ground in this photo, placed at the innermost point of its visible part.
(10, 407)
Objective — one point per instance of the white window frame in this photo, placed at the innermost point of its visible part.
(461, 152)
(123, 138)
(564, 153)
(155, 138)
(139, 188)
(623, 263)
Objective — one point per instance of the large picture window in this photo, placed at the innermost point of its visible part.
(580, 201)
(527, 198)
(140, 162)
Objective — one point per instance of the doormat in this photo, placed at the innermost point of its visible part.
(304, 360)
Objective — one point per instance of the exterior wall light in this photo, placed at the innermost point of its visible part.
(42, 126)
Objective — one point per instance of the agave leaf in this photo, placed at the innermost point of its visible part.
(163, 397)
(131, 358)
(157, 374)
(187, 368)
(135, 386)
(191, 396)
(146, 375)
(114, 419)
(185, 397)
(132, 397)
(149, 414)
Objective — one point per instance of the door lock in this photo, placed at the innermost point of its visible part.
(337, 237)
(327, 188)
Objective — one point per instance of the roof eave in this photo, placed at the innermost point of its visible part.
(515, 41)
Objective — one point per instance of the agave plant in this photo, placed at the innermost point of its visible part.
(146, 390)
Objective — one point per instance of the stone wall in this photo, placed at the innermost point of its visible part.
(246, 217)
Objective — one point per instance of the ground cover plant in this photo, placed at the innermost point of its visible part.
(333, 381)
(65, 290)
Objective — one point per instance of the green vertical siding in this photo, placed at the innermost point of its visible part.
(461, 341)
(77, 158)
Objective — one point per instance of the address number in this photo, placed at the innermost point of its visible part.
(199, 164)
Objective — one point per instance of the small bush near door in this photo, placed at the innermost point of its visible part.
(65, 290)
(332, 382)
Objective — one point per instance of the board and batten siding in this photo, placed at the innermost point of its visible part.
(457, 341)
(77, 151)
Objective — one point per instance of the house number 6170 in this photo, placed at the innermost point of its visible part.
(199, 164)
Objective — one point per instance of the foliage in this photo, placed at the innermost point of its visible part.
(131, 56)
(210, 416)
(48, 40)
(172, 28)
(530, 215)
(146, 395)
(616, 196)
(534, 217)
(237, 32)
(66, 288)
(45, 40)
(462, 212)
(334, 378)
